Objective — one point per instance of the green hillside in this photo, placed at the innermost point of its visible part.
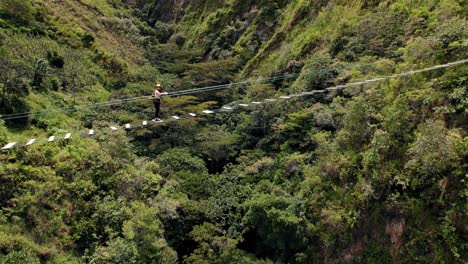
(372, 173)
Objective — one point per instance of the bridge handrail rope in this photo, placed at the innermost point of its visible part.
(140, 98)
(198, 90)
(284, 97)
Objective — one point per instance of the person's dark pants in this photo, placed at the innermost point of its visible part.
(157, 107)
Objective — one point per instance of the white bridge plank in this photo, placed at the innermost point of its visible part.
(9, 145)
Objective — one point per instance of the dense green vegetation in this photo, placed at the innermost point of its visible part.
(371, 174)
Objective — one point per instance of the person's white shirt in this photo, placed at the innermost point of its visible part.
(158, 94)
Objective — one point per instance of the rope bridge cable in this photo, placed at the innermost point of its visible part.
(192, 91)
(142, 98)
(233, 85)
(243, 106)
(292, 76)
(196, 90)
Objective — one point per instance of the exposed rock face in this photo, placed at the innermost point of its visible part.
(167, 11)
(395, 229)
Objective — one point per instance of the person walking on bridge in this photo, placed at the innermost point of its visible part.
(157, 95)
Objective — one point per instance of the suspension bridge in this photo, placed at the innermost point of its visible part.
(231, 107)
